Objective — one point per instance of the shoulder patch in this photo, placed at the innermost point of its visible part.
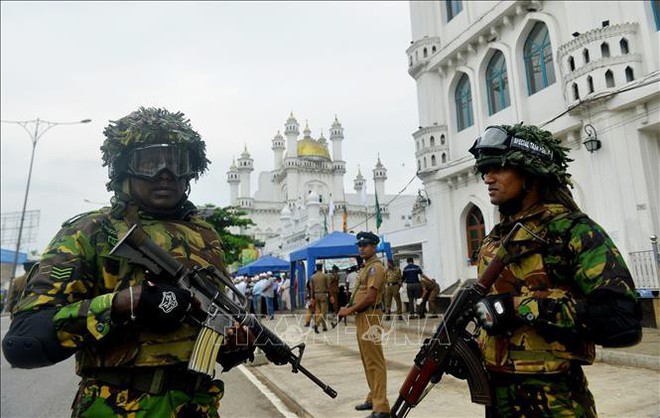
(372, 271)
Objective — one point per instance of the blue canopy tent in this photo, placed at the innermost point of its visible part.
(264, 264)
(334, 245)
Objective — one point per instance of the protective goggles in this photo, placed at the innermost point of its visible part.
(496, 140)
(150, 160)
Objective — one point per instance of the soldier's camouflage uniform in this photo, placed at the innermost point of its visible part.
(79, 278)
(536, 371)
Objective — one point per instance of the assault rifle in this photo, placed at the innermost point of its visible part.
(220, 310)
(452, 349)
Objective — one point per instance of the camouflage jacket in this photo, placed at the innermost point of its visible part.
(79, 278)
(577, 258)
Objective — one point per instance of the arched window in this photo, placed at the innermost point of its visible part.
(454, 7)
(609, 78)
(432, 141)
(424, 162)
(630, 76)
(416, 145)
(463, 99)
(410, 61)
(623, 44)
(433, 162)
(444, 158)
(497, 84)
(419, 165)
(605, 50)
(538, 59)
(425, 53)
(576, 92)
(571, 63)
(442, 139)
(476, 231)
(433, 49)
(590, 84)
(585, 55)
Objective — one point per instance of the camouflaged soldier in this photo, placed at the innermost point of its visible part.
(566, 289)
(128, 331)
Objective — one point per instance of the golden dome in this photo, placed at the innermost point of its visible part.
(311, 148)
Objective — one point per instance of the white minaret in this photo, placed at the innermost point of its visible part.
(380, 175)
(245, 167)
(336, 136)
(278, 150)
(233, 179)
(358, 182)
(291, 131)
(285, 219)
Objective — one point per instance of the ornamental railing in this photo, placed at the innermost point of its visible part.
(644, 269)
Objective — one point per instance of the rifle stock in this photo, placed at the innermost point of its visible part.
(221, 311)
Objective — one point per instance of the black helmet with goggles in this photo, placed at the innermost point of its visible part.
(526, 147)
(151, 140)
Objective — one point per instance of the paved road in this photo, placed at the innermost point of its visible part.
(48, 392)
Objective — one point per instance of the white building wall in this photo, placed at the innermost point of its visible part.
(618, 185)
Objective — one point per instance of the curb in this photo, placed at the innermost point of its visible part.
(290, 402)
(619, 358)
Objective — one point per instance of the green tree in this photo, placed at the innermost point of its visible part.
(222, 220)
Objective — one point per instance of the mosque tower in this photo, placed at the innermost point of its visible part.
(245, 167)
(278, 150)
(380, 175)
(358, 182)
(291, 131)
(336, 136)
(233, 179)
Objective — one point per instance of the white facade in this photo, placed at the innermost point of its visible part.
(290, 206)
(613, 88)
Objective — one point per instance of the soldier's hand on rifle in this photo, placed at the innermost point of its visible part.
(495, 313)
(162, 307)
(237, 337)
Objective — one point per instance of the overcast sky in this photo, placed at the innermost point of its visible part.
(235, 69)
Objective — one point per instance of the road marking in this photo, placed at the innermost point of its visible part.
(277, 403)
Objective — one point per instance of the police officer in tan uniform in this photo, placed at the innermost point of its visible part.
(430, 291)
(366, 304)
(334, 289)
(319, 297)
(392, 287)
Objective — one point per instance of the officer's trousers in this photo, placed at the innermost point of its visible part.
(369, 333)
(392, 291)
(321, 309)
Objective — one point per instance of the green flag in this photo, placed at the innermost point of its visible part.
(379, 215)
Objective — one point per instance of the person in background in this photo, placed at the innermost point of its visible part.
(268, 293)
(334, 289)
(17, 286)
(411, 274)
(393, 284)
(320, 284)
(430, 292)
(285, 294)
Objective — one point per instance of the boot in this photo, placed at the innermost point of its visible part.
(387, 317)
(400, 318)
(316, 329)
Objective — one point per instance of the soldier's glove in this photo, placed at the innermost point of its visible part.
(162, 307)
(495, 313)
(237, 347)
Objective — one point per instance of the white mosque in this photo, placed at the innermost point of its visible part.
(303, 196)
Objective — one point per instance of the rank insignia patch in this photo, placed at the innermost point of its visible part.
(61, 273)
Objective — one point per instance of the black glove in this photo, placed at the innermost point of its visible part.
(162, 307)
(495, 313)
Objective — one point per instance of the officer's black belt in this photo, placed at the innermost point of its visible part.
(153, 380)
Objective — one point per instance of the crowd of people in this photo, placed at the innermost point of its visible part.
(266, 293)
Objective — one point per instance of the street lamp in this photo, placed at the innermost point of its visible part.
(34, 137)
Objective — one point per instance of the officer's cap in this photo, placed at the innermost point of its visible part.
(367, 238)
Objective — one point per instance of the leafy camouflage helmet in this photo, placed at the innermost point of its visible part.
(148, 126)
(526, 147)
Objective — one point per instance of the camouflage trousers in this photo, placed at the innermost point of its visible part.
(99, 400)
(563, 395)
